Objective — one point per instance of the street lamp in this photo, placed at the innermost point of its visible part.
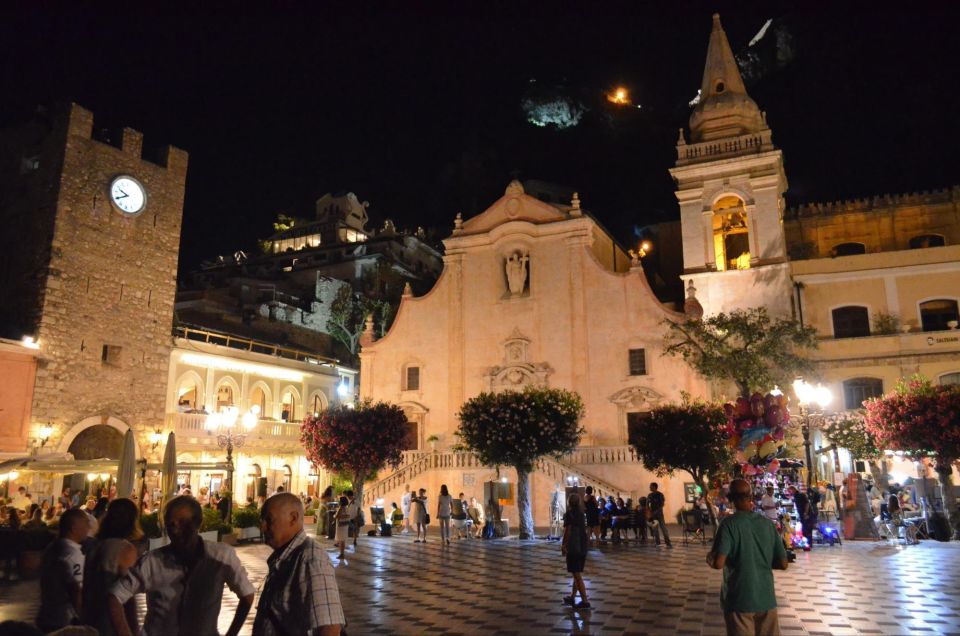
(807, 396)
(229, 437)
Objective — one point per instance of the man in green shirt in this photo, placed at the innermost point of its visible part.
(747, 548)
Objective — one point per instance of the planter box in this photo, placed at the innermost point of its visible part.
(158, 543)
(29, 563)
(210, 535)
(309, 520)
(228, 538)
(245, 534)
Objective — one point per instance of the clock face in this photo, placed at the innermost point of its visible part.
(128, 195)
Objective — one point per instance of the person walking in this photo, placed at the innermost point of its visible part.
(459, 516)
(356, 516)
(326, 499)
(405, 507)
(655, 504)
(61, 574)
(747, 548)
(444, 510)
(108, 560)
(802, 505)
(592, 510)
(420, 516)
(299, 594)
(573, 546)
(343, 526)
(183, 581)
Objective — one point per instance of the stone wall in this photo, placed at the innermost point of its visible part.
(108, 296)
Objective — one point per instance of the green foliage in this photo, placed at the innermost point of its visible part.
(246, 518)
(341, 482)
(746, 347)
(850, 432)
(516, 428)
(284, 223)
(150, 524)
(689, 436)
(211, 520)
(885, 324)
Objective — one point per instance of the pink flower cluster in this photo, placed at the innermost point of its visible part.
(917, 417)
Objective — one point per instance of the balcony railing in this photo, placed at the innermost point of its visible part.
(193, 426)
(248, 344)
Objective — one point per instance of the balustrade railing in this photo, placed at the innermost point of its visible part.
(194, 425)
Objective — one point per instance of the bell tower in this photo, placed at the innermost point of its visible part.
(730, 184)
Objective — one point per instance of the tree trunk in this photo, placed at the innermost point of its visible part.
(944, 470)
(358, 481)
(878, 470)
(523, 504)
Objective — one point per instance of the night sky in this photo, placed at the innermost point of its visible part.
(417, 108)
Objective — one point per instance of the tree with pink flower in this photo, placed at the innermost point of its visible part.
(516, 428)
(921, 419)
(359, 441)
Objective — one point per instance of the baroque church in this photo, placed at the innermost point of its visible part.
(534, 293)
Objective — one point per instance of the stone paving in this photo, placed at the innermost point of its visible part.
(393, 586)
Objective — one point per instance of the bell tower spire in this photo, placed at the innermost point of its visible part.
(725, 109)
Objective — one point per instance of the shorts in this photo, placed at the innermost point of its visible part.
(576, 562)
(459, 524)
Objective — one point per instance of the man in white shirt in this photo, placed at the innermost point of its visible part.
(183, 581)
(405, 507)
(769, 506)
(61, 574)
(21, 501)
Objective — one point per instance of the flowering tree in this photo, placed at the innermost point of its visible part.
(517, 428)
(850, 431)
(690, 436)
(746, 347)
(920, 418)
(359, 441)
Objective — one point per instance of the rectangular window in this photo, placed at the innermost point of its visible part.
(412, 379)
(638, 362)
(110, 354)
(856, 390)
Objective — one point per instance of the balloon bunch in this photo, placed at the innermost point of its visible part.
(756, 428)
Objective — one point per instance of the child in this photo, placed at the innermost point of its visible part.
(343, 525)
(396, 517)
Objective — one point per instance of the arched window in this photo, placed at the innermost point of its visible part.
(851, 322)
(856, 390)
(950, 378)
(731, 237)
(226, 396)
(318, 402)
(288, 405)
(849, 249)
(258, 398)
(189, 392)
(927, 240)
(936, 314)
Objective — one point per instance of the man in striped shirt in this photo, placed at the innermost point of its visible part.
(300, 594)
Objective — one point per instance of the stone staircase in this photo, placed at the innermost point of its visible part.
(418, 462)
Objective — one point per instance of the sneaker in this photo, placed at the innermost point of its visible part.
(583, 605)
(416, 540)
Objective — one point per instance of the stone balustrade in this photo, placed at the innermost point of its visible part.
(192, 426)
(745, 144)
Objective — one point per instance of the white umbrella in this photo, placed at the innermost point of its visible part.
(169, 482)
(126, 470)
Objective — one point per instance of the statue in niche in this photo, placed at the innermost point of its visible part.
(517, 273)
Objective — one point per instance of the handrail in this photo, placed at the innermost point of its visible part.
(231, 341)
(418, 462)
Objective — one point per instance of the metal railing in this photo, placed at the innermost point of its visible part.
(242, 343)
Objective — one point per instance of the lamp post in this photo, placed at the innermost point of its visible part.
(807, 396)
(229, 437)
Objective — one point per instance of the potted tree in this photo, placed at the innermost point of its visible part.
(210, 528)
(150, 524)
(246, 523)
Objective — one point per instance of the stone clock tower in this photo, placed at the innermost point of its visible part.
(730, 184)
(92, 235)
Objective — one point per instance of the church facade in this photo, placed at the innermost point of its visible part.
(534, 293)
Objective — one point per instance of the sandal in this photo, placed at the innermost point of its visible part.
(568, 600)
(583, 605)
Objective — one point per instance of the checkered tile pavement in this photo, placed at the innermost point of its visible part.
(394, 586)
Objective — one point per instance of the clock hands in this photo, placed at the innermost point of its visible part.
(125, 195)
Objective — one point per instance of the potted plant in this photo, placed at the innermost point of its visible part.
(150, 524)
(210, 528)
(32, 545)
(433, 439)
(226, 534)
(246, 522)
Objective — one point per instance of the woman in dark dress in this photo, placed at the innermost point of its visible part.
(574, 547)
(593, 514)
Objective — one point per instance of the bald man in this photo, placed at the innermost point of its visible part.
(748, 548)
(300, 594)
